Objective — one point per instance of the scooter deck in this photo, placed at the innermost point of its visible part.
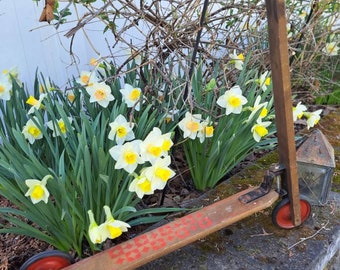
(176, 234)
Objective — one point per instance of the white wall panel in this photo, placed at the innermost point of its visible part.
(29, 44)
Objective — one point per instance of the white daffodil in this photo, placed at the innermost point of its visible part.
(159, 173)
(264, 81)
(312, 118)
(94, 62)
(5, 88)
(290, 31)
(298, 111)
(206, 130)
(260, 130)
(98, 65)
(135, 55)
(170, 116)
(131, 96)
(237, 60)
(37, 189)
(257, 106)
(62, 127)
(127, 155)
(95, 234)
(190, 125)
(121, 130)
(331, 49)
(302, 14)
(141, 185)
(47, 86)
(12, 73)
(155, 145)
(31, 132)
(87, 78)
(35, 103)
(232, 100)
(112, 228)
(100, 93)
(70, 96)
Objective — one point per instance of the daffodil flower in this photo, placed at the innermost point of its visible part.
(159, 173)
(289, 30)
(232, 100)
(298, 111)
(121, 130)
(5, 88)
(237, 60)
(170, 116)
(260, 130)
(47, 87)
(12, 73)
(135, 55)
(31, 132)
(264, 81)
(190, 125)
(312, 118)
(127, 155)
(155, 145)
(331, 49)
(87, 78)
(112, 228)
(70, 96)
(35, 103)
(95, 234)
(94, 62)
(302, 14)
(131, 96)
(206, 131)
(98, 65)
(37, 189)
(141, 185)
(258, 106)
(100, 93)
(62, 127)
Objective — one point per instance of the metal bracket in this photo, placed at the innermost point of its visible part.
(273, 172)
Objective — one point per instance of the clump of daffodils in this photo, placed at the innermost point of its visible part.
(153, 150)
(233, 101)
(52, 119)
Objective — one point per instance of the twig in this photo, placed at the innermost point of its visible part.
(309, 237)
(261, 234)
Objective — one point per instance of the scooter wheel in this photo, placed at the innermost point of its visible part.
(281, 215)
(48, 260)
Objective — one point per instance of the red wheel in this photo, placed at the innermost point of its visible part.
(281, 214)
(48, 260)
